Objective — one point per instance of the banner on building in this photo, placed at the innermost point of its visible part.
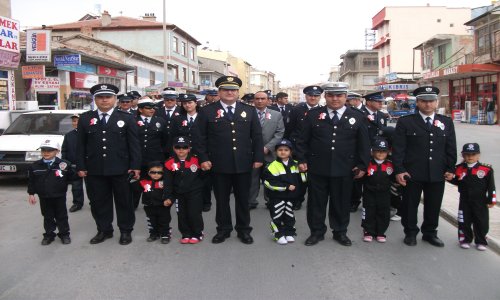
(32, 72)
(46, 83)
(38, 46)
(67, 60)
(83, 68)
(9, 43)
(111, 72)
(81, 80)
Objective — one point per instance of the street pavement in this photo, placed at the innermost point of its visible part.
(232, 270)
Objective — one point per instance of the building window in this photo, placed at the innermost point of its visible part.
(482, 37)
(388, 60)
(193, 76)
(184, 74)
(176, 73)
(192, 53)
(441, 54)
(382, 62)
(136, 75)
(205, 80)
(369, 80)
(183, 49)
(175, 44)
(152, 79)
(56, 38)
(370, 62)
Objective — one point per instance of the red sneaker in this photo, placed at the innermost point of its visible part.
(194, 240)
(185, 240)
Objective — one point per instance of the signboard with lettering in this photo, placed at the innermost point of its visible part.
(9, 43)
(31, 72)
(80, 80)
(83, 68)
(397, 87)
(46, 83)
(38, 45)
(67, 60)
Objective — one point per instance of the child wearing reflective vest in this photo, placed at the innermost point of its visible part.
(476, 186)
(281, 179)
(184, 186)
(377, 193)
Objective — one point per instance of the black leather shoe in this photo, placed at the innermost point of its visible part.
(252, 206)
(433, 240)
(152, 237)
(410, 240)
(47, 240)
(74, 208)
(342, 239)
(297, 206)
(125, 238)
(220, 237)
(313, 240)
(207, 207)
(100, 237)
(354, 208)
(245, 238)
(165, 239)
(66, 240)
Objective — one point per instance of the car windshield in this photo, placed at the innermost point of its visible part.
(59, 124)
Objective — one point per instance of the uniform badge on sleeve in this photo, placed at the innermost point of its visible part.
(243, 114)
(158, 125)
(352, 121)
(193, 168)
(389, 170)
(63, 166)
(382, 121)
(480, 174)
(120, 123)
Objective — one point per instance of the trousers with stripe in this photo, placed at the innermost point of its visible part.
(473, 221)
(282, 217)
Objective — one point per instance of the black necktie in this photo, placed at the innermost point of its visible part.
(230, 114)
(168, 113)
(429, 124)
(146, 122)
(191, 121)
(103, 118)
(335, 118)
(48, 164)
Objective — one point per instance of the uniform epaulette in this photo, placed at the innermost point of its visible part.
(485, 165)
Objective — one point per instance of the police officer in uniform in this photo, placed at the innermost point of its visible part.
(333, 148)
(211, 97)
(125, 103)
(170, 108)
(230, 144)
(183, 124)
(248, 98)
(424, 152)
(135, 98)
(354, 100)
(153, 138)
(293, 123)
(108, 151)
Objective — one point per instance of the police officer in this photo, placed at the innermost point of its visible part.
(153, 138)
(248, 98)
(293, 123)
(170, 108)
(184, 122)
(354, 100)
(282, 105)
(377, 120)
(333, 148)
(108, 151)
(211, 97)
(424, 151)
(135, 99)
(125, 103)
(230, 144)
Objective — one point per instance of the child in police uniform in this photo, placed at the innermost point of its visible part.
(157, 210)
(49, 178)
(376, 193)
(281, 179)
(184, 185)
(476, 185)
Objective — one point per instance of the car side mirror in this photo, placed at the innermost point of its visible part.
(1, 131)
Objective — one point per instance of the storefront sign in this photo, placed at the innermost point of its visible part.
(67, 60)
(175, 84)
(110, 72)
(449, 71)
(9, 60)
(46, 83)
(83, 68)
(9, 35)
(38, 45)
(80, 80)
(397, 87)
(31, 72)
(391, 76)
(431, 74)
(12, 90)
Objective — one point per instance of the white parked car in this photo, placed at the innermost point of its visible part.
(20, 141)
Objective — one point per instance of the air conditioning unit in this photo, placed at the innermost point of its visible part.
(26, 105)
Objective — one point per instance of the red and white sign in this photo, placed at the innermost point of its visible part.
(38, 45)
(46, 83)
(110, 72)
(81, 80)
(9, 60)
(9, 35)
(31, 72)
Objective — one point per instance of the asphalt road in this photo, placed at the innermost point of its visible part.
(232, 270)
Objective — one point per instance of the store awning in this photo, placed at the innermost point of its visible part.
(462, 71)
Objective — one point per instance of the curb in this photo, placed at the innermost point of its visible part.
(493, 244)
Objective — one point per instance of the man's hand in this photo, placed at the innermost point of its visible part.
(257, 165)
(448, 176)
(137, 173)
(82, 173)
(167, 202)
(207, 165)
(291, 187)
(32, 199)
(266, 151)
(303, 167)
(358, 173)
(400, 178)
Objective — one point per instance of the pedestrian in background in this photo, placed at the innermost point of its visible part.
(490, 111)
(49, 178)
(68, 152)
(476, 186)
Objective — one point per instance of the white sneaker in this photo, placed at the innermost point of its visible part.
(282, 241)
(290, 239)
(464, 245)
(395, 218)
(480, 247)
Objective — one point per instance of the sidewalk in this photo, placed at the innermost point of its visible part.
(449, 211)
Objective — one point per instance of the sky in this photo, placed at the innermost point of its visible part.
(299, 41)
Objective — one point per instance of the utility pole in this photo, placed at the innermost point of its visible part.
(165, 61)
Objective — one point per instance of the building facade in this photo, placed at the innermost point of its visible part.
(359, 68)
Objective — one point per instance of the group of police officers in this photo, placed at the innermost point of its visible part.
(331, 143)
